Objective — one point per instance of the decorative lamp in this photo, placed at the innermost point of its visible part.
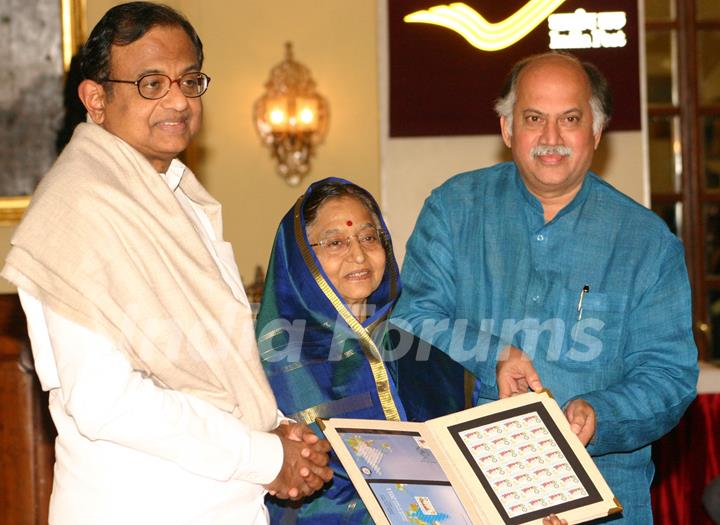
(291, 117)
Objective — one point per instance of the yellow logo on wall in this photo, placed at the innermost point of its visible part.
(480, 33)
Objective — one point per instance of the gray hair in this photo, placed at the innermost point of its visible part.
(601, 103)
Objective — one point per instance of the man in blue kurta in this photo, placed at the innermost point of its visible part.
(538, 270)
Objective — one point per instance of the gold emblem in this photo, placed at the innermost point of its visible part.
(480, 33)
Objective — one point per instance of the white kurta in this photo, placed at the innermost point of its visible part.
(128, 452)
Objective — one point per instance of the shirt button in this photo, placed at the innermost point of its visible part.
(536, 298)
(540, 237)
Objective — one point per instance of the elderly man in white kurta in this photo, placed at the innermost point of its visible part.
(140, 327)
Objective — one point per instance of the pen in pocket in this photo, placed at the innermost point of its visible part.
(585, 289)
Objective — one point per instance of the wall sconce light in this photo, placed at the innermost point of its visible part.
(291, 117)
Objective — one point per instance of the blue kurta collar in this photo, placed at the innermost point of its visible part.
(535, 207)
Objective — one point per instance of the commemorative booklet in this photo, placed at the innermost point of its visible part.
(512, 462)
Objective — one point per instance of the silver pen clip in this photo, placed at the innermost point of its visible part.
(585, 289)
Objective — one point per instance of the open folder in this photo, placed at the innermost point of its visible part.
(513, 461)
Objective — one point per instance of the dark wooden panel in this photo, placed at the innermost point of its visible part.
(17, 496)
(26, 431)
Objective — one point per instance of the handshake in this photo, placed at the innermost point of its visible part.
(305, 457)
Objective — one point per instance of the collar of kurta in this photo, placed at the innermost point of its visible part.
(535, 205)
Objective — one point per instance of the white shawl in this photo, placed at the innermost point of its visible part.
(105, 243)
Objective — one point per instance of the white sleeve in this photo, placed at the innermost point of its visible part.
(110, 401)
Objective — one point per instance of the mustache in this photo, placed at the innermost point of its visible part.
(544, 149)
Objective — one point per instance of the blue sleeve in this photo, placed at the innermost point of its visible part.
(660, 363)
(428, 303)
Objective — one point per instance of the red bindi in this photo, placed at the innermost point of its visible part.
(349, 223)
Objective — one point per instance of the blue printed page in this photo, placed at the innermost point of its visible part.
(392, 455)
(420, 504)
(405, 477)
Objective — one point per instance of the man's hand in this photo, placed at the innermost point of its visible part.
(305, 458)
(581, 416)
(316, 449)
(552, 519)
(515, 373)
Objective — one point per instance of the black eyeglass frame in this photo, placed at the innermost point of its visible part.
(137, 82)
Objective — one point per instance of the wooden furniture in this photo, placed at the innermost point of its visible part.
(26, 430)
(683, 137)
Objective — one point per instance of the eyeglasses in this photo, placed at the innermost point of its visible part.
(157, 85)
(370, 239)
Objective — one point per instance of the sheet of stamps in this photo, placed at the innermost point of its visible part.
(523, 463)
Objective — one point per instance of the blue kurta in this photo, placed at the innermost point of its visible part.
(484, 270)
